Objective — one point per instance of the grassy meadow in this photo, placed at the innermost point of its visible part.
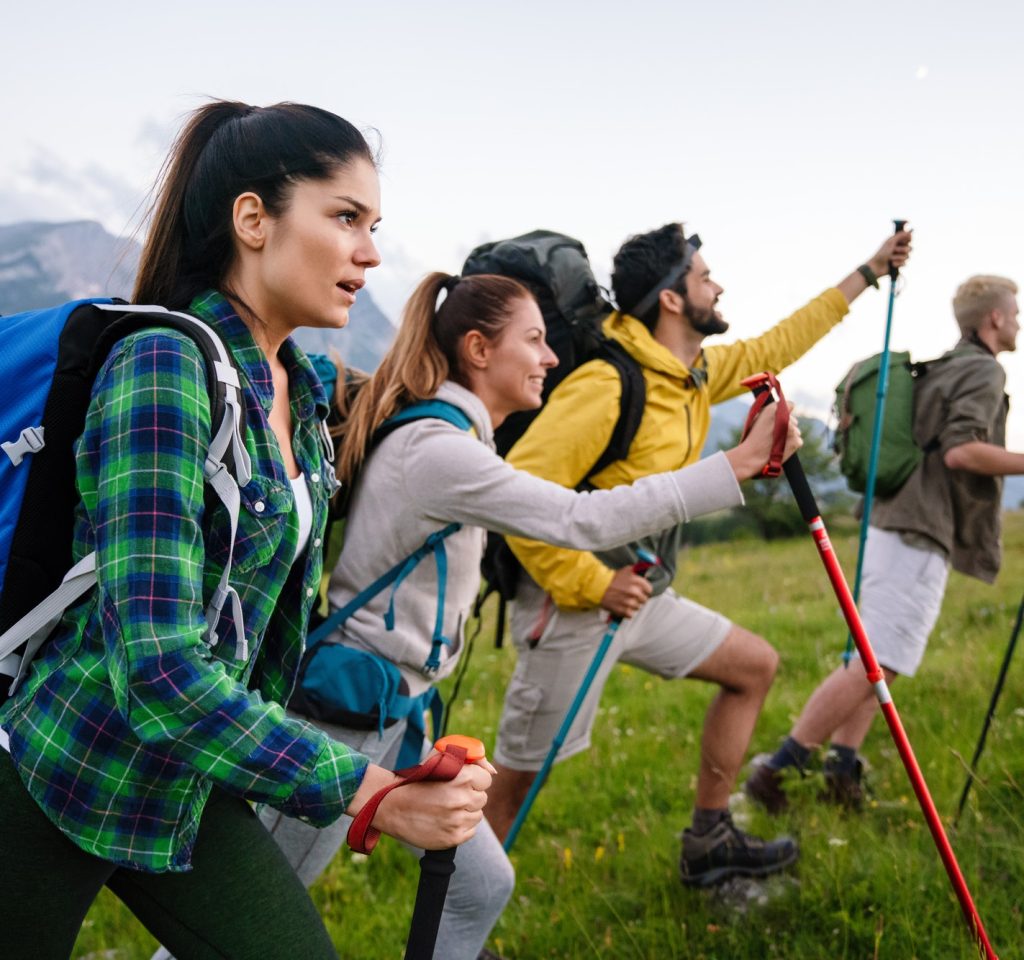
(597, 862)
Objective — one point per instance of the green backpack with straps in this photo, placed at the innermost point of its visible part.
(855, 403)
(856, 399)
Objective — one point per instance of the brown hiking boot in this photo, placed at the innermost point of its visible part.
(844, 788)
(764, 787)
(726, 851)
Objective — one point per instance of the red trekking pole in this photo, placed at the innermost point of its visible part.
(763, 385)
(451, 754)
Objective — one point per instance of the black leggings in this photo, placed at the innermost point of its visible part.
(240, 900)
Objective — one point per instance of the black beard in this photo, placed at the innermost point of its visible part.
(707, 321)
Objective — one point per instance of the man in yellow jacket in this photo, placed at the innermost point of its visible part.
(668, 308)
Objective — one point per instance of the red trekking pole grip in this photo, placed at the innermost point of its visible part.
(450, 755)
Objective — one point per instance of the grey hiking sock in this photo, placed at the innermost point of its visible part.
(790, 754)
(705, 819)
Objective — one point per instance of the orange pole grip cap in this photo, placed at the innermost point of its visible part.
(474, 748)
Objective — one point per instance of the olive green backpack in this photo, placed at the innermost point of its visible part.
(856, 398)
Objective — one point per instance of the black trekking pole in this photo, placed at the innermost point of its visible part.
(972, 770)
(451, 754)
(763, 385)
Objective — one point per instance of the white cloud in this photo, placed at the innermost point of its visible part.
(42, 186)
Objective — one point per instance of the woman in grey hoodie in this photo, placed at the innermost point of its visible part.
(481, 349)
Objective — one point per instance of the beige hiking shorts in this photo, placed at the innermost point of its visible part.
(900, 598)
(670, 636)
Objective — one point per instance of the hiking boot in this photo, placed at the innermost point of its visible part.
(726, 851)
(764, 787)
(844, 788)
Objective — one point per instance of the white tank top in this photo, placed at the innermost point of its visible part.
(304, 510)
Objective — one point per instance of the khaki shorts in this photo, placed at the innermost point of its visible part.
(901, 596)
(670, 637)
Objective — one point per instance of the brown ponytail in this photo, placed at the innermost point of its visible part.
(426, 352)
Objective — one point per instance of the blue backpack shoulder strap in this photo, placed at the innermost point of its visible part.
(424, 410)
(326, 371)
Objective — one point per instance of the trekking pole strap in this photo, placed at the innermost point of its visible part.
(438, 767)
(763, 384)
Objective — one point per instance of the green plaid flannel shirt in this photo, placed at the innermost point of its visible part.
(128, 718)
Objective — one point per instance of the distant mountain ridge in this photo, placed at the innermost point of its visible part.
(46, 263)
(42, 264)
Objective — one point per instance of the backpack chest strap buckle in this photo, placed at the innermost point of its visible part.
(30, 441)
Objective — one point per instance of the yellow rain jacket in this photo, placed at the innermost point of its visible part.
(574, 428)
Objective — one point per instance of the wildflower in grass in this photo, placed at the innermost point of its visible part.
(620, 841)
(567, 858)
(599, 854)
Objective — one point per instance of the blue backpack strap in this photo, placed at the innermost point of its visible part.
(326, 371)
(424, 410)
(393, 576)
(415, 732)
(433, 662)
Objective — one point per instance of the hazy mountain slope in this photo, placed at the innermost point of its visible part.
(46, 263)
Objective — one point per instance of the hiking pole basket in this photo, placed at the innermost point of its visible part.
(763, 385)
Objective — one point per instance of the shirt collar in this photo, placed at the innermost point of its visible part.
(973, 340)
(306, 392)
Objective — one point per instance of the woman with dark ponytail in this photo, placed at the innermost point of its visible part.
(477, 344)
(141, 731)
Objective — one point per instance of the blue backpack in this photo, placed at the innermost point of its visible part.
(49, 360)
(356, 688)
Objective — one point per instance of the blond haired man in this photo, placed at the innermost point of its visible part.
(947, 513)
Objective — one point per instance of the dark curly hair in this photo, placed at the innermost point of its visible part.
(641, 263)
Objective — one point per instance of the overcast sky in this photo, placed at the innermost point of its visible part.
(787, 134)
